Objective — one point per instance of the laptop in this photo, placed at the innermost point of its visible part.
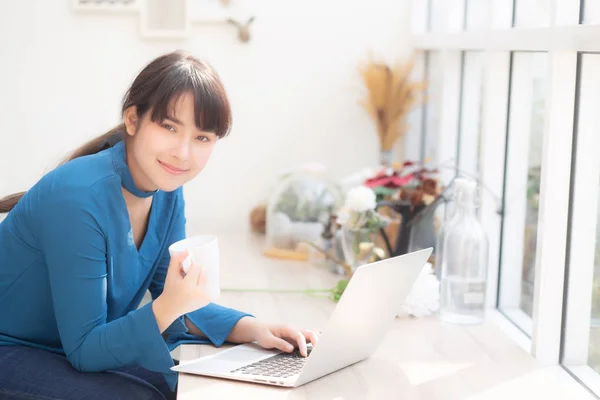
(357, 325)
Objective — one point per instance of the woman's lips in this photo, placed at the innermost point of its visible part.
(171, 169)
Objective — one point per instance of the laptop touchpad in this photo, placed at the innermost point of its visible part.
(229, 360)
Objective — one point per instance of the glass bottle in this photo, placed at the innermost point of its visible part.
(439, 242)
(464, 260)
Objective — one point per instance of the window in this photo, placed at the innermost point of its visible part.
(594, 344)
(413, 137)
(527, 122)
(437, 20)
(433, 65)
(469, 144)
(523, 172)
(581, 349)
(532, 13)
(478, 14)
(446, 16)
(591, 12)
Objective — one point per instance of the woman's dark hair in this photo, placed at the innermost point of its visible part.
(156, 90)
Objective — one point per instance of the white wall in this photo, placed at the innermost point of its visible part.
(294, 90)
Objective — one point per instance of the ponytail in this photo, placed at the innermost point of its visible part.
(94, 146)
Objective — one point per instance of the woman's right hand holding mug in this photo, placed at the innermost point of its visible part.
(182, 293)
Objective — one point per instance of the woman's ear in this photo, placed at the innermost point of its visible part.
(131, 120)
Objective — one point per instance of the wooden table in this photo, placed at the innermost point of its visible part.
(420, 358)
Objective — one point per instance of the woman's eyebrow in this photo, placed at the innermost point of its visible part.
(175, 120)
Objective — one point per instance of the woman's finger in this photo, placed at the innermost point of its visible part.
(299, 338)
(193, 273)
(175, 264)
(278, 343)
(311, 335)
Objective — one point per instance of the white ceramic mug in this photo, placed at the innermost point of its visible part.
(203, 251)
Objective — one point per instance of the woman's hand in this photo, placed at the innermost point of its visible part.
(181, 294)
(282, 337)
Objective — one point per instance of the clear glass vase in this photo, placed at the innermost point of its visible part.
(464, 260)
(358, 246)
(321, 256)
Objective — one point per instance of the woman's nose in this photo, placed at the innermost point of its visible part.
(182, 150)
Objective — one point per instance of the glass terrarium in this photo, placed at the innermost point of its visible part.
(298, 212)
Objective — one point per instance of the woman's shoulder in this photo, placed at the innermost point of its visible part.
(82, 187)
(87, 172)
(88, 178)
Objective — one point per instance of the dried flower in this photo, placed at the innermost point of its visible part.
(390, 97)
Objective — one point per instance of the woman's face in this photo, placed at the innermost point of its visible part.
(165, 155)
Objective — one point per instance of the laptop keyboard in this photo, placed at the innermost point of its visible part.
(282, 365)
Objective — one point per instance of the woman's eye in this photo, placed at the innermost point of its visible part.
(168, 127)
(203, 138)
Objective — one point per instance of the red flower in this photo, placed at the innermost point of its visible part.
(392, 181)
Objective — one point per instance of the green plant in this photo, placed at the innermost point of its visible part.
(307, 204)
(334, 293)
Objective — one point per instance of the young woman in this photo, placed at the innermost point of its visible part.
(79, 250)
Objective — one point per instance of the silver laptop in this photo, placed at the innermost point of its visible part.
(359, 322)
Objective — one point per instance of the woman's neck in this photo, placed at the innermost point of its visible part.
(140, 179)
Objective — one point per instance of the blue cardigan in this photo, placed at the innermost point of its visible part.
(72, 278)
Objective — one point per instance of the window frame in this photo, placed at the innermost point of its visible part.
(582, 236)
(564, 39)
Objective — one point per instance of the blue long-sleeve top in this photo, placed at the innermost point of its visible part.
(72, 278)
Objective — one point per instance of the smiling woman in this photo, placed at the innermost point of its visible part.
(80, 249)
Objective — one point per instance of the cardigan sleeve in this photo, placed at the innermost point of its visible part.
(74, 246)
(216, 322)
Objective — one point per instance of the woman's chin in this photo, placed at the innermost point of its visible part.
(168, 185)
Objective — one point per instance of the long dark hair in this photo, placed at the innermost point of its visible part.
(156, 89)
